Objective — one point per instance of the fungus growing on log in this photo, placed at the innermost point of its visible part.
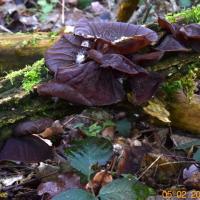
(91, 66)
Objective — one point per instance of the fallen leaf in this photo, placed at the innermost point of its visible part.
(99, 180)
(157, 109)
(55, 129)
(193, 182)
(29, 149)
(32, 127)
(62, 183)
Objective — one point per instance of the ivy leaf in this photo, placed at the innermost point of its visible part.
(74, 194)
(86, 153)
(125, 189)
(123, 127)
(196, 155)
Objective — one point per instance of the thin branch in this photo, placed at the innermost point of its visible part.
(3, 28)
(150, 166)
(63, 12)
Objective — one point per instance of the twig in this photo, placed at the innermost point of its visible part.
(5, 29)
(63, 12)
(177, 162)
(150, 166)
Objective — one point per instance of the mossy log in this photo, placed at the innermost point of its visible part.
(17, 104)
(18, 50)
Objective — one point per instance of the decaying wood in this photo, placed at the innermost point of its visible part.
(185, 113)
(18, 50)
(16, 104)
(176, 65)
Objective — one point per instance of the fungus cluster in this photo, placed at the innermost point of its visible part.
(102, 61)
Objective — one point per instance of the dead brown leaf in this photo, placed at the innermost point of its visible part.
(100, 179)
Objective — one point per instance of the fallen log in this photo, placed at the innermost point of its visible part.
(17, 103)
(19, 50)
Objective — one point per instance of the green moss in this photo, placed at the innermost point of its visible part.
(31, 75)
(191, 15)
(32, 42)
(187, 83)
(53, 35)
(15, 74)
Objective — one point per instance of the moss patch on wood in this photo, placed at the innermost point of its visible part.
(191, 15)
(31, 75)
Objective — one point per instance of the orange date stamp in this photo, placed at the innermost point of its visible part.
(180, 194)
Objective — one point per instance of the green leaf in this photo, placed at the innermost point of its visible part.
(125, 189)
(196, 155)
(86, 153)
(123, 127)
(74, 194)
(108, 123)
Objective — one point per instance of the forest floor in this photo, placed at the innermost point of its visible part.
(121, 151)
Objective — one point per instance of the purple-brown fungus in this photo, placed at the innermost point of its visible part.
(91, 65)
(184, 36)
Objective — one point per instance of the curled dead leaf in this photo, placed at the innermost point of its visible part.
(157, 109)
(26, 149)
(100, 179)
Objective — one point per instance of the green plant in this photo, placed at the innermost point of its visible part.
(94, 151)
(172, 86)
(94, 129)
(191, 15)
(119, 189)
(186, 83)
(46, 6)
